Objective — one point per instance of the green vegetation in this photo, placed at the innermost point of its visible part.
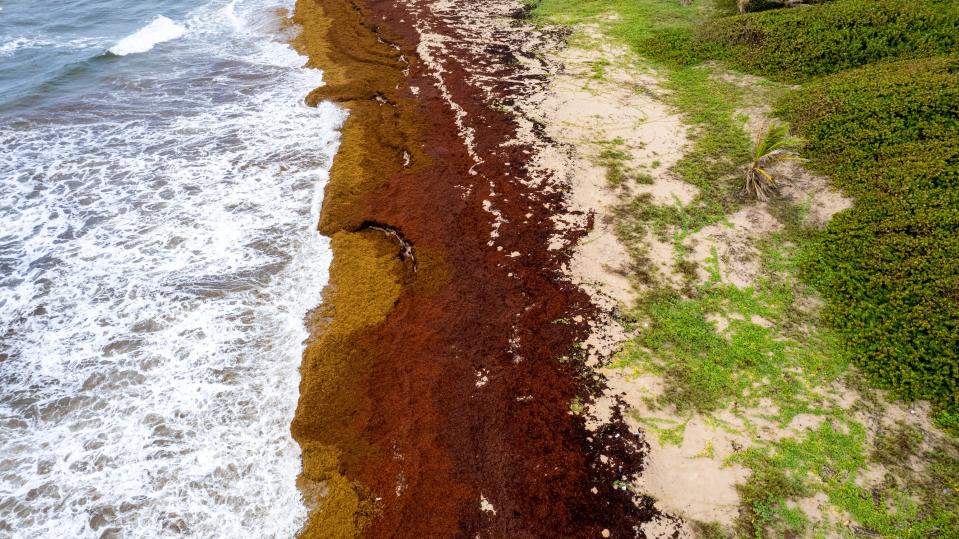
(615, 157)
(783, 44)
(658, 29)
(831, 461)
(797, 44)
(773, 144)
(878, 110)
(636, 21)
(889, 136)
(704, 369)
(764, 352)
(719, 147)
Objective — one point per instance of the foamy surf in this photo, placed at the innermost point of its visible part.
(9, 47)
(160, 30)
(158, 256)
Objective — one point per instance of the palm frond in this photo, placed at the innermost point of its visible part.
(773, 144)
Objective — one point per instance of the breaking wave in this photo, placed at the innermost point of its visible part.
(160, 30)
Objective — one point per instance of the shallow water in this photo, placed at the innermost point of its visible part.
(157, 256)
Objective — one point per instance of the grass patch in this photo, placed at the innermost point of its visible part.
(661, 30)
(614, 156)
(830, 460)
(719, 146)
(767, 350)
(784, 44)
(668, 432)
(635, 21)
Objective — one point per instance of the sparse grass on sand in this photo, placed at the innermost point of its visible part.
(718, 347)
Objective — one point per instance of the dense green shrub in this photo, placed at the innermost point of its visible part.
(799, 43)
(731, 7)
(889, 136)
(677, 47)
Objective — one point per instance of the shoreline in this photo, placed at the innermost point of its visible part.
(439, 397)
(579, 326)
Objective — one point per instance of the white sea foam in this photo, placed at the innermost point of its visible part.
(13, 45)
(160, 30)
(229, 11)
(157, 257)
(9, 47)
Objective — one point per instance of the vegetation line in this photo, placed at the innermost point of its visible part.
(872, 89)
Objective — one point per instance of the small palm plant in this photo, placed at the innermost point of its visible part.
(772, 145)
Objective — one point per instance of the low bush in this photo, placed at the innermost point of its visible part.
(803, 42)
(888, 134)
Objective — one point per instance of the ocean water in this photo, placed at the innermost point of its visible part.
(160, 180)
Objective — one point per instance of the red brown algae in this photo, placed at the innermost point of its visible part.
(436, 395)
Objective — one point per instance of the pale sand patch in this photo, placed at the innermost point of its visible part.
(687, 482)
(808, 189)
(734, 243)
(813, 506)
(692, 479)
(756, 119)
(580, 113)
(601, 256)
(600, 260)
(871, 476)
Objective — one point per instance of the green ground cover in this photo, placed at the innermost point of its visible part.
(783, 44)
(830, 461)
(888, 134)
(879, 110)
(766, 350)
(798, 44)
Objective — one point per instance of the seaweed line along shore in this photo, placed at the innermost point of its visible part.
(438, 379)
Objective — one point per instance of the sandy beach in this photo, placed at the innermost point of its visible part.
(479, 366)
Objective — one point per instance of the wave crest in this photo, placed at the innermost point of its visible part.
(159, 30)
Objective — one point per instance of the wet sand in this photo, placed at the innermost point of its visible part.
(442, 380)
